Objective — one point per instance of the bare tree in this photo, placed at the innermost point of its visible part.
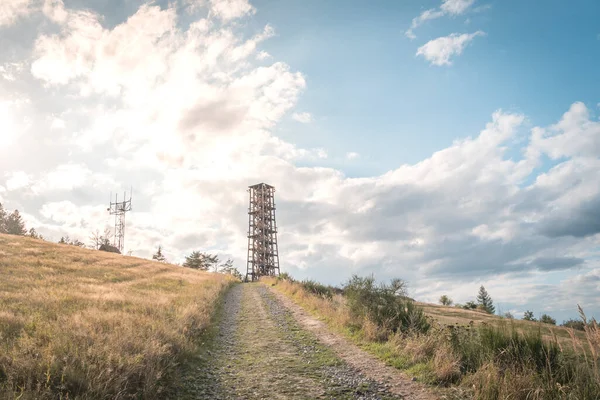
(98, 239)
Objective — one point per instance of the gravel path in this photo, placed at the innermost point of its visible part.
(259, 351)
(396, 381)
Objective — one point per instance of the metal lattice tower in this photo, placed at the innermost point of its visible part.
(263, 256)
(119, 209)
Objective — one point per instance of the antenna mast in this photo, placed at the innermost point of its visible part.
(119, 209)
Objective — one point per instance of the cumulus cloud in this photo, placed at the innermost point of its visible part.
(302, 117)
(352, 155)
(439, 51)
(12, 10)
(17, 180)
(228, 10)
(456, 7)
(263, 55)
(12, 119)
(448, 7)
(574, 135)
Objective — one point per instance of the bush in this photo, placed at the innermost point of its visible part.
(318, 289)
(508, 315)
(528, 316)
(445, 300)
(546, 319)
(284, 276)
(574, 324)
(470, 305)
(384, 305)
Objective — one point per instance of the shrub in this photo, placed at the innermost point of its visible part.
(317, 288)
(445, 300)
(574, 324)
(528, 316)
(385, 305)
(284, 276)
(546, 319)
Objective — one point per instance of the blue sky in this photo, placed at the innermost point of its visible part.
(369, 91)
(451, 143)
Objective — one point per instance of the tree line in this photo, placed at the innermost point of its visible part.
(485, 303)
(202, 261)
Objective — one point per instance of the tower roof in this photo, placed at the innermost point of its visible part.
(260, 185)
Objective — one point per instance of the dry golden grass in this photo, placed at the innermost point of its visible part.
(77, 323)
(449, 315)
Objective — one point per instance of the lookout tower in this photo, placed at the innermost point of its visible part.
(263, 256)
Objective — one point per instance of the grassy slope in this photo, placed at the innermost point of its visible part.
(448, 315)
(95, 325)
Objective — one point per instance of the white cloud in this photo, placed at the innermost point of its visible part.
(55, 10)
(352, 155)
(448, 7)
(228, 10)
(456, 7)
(224, 10)
(12, 10)
(574, 135)
(9, 71)
(57, 123)
(18, 180)
(12, 120)
(418, 21)
(302, 117)
(263, 55)
(439, 51)
(67, 177)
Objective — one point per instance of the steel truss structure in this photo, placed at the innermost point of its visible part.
(263, 255)
(119, 209)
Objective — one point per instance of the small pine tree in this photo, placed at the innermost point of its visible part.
(199, 260)
(2, 219)
(159, 256)
(485, 301)
(14, 224)
(227, 267)
(528, 316)
(445, 300)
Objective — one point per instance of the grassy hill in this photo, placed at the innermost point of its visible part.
(77, 323)
(448, 315)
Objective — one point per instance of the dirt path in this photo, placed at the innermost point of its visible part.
(397, 382)
(259, 351)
